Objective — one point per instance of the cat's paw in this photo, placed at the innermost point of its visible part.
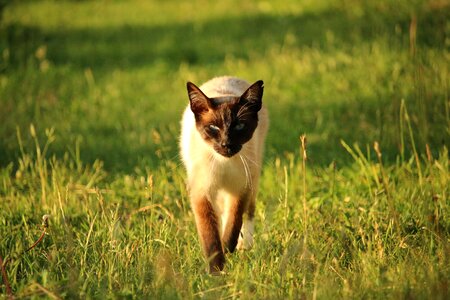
(245, 241)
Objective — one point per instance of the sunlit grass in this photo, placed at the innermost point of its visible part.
(91, 95)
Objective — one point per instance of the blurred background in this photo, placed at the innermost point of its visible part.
(106, 79)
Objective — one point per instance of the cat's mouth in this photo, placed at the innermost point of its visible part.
(228, 151)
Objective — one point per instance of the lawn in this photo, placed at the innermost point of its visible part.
(91, 96)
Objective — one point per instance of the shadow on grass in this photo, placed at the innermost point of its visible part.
(209, 43)
(125, 47)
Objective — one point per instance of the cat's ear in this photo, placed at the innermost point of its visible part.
(199, 101)
(253, 95)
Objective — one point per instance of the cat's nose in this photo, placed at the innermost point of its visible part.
(227, 147)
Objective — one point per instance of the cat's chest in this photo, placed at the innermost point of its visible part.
(232, 172)
(230, 176)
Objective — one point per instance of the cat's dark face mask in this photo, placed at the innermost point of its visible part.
(226, 123)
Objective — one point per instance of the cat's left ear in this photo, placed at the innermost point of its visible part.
(254, 95)
(200, 103)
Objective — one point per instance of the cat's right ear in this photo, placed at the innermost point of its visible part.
(200, 103)
(253, 95)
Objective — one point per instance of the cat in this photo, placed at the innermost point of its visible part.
(222, 138)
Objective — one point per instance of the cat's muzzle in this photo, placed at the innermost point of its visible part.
(228, 150)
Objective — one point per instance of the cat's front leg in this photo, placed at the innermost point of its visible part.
(208, 231)
(233, 223)
(245, 241)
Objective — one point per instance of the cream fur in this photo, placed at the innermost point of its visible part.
(216, 176)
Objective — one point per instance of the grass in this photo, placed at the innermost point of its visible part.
(91, 95)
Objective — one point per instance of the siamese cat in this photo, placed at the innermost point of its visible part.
(222, 141)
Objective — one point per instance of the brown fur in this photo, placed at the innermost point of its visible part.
(234, 224)
(208, 231)
(223, 161)
(225, 113)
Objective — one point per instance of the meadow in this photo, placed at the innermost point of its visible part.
(91, 96)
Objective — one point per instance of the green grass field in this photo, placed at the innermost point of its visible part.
(91, 95)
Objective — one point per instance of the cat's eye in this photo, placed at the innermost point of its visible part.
(213, 128)
(239, 126)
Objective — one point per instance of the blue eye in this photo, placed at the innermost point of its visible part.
(213, 127)
(239, 126)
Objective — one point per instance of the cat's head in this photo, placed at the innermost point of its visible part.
(226, 123)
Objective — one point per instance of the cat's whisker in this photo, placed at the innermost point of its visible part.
(248, 175)
(245, 169)
(248, 152)
(251, 161)
(179, 160)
